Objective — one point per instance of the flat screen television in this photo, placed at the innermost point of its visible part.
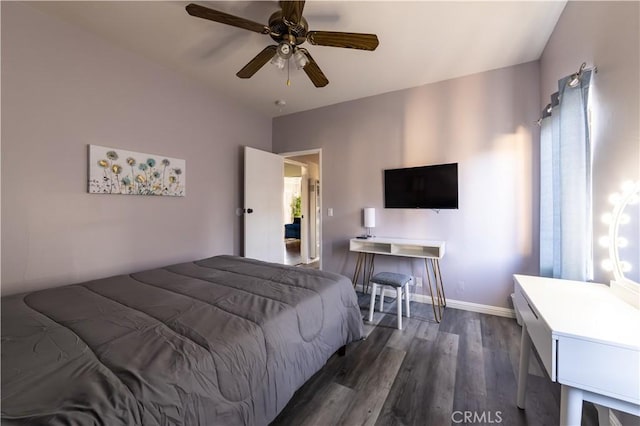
(426, 187)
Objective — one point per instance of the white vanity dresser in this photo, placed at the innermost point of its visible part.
(588, 340)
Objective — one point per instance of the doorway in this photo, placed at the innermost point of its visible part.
(302, 209)
(295, 177)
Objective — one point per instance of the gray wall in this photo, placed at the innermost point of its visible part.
(64, 88)
(605, 34)
(485, 122)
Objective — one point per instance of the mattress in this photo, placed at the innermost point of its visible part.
(219, 341)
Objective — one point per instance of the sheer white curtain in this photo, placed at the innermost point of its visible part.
(565, 184)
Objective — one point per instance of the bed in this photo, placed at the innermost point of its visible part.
(219, 341)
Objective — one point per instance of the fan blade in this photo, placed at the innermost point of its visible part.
(256, 63)
(314, 72)
(292, 10)
(338, 39)
(224, 18)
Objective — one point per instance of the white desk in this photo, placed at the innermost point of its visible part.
(588, 341)
(429, 250)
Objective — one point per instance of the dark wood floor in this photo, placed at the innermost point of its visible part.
(427, 373)
(293, 257)
(292, 251)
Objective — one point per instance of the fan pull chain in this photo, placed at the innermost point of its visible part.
(288, 68)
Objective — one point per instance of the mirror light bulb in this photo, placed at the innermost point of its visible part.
(624, 219)
(622, 242)
(615, 198)
(606, 218)
(604, 241)
(606, 265)
(625, 266)
(627, 186)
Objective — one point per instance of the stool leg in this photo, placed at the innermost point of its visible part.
(399, 303)
(406, 299)
(381, 298)
(373, 301)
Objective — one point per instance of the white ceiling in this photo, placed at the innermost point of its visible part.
(420, 42)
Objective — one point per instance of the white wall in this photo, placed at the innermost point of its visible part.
(485, 122)
(64, 88)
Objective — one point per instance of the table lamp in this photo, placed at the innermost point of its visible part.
(369, 220)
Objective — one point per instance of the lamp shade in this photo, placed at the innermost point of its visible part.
(300, 58)
(369, 217)
(278, 61)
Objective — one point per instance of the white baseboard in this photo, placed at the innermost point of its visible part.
(469, 306)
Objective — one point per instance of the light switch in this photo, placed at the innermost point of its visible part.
(329, 212)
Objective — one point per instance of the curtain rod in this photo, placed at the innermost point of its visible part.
(573, 80)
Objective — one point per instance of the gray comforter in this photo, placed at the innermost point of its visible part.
(220, 341)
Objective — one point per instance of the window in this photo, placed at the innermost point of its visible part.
(566, 230)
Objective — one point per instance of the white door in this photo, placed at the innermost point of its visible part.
(263, 198)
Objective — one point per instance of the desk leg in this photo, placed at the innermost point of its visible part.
(570, 406)
(368, 274)
(356, 273)
(438, 302)
(525, 351)
(436, 267)
(433, 301)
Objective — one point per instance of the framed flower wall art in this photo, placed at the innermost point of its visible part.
(117, 171)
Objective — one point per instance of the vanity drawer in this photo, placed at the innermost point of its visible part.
(538, 331)
(604, 369)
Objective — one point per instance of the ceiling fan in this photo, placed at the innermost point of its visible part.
(289, 29)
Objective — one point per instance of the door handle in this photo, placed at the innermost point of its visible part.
(249, 211)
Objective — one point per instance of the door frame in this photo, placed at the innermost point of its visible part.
(313, 151)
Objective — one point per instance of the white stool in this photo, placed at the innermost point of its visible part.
(400, 283)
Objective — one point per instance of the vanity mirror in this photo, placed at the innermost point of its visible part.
(623, 217)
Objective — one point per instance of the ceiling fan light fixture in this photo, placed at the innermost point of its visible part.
(288, 29)
(278, 61)
(300, 58)
(285, 50)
